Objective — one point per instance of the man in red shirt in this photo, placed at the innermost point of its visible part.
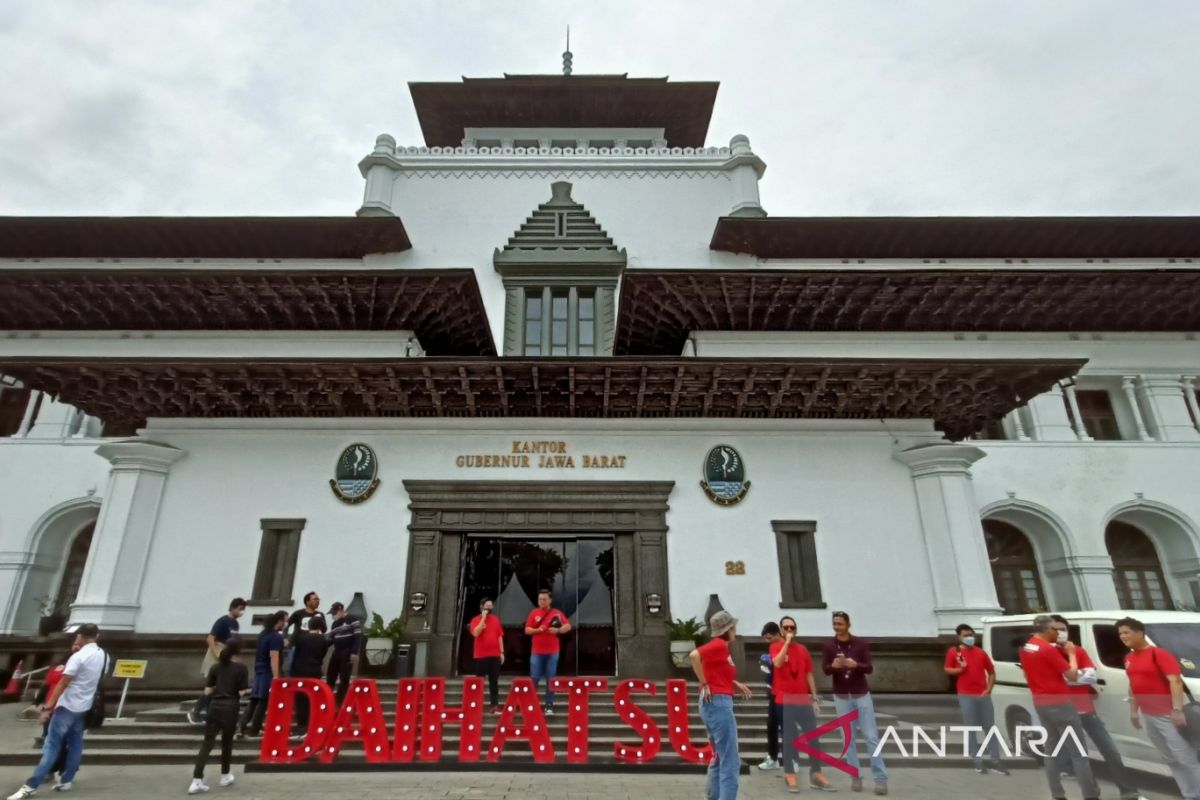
(488, 649)
(1082, 690)
(544, 625)
(1047, 670)
(1156, 690)
(975, 674)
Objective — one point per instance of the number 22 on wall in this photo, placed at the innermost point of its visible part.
(735, 567)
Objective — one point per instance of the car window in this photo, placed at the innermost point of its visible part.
(1109, 649)
(1181, 639)
(1007, 641)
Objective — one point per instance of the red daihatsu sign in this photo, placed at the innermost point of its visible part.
(422, 715)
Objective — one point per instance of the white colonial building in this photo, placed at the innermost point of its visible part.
(575, 352)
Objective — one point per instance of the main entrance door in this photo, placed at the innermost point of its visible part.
(578, 571)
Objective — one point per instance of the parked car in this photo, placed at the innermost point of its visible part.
(1177, 631)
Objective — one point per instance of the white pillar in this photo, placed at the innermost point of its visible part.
(378, 168)
(53, 420)
(112, 580)
(746, 169)
(1076, 417)
(959, 568)
(1127, 384)
(1188, 384)
(1048, 413)
(1167, 415)
(1019, 426)
(27, 419)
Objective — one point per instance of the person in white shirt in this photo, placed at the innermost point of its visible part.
(71, 700)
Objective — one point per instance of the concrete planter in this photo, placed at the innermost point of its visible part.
(679, 652)
(379, 651)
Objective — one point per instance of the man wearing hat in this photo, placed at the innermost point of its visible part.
(346, 636)
(714, 667)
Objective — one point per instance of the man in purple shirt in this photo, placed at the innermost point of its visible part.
(848, 659)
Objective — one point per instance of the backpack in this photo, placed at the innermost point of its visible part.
(1191, 709)
(96, 714)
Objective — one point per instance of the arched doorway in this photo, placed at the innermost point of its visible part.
(54, 618)
(49, 578)
(1137, 570)
(1014, 568)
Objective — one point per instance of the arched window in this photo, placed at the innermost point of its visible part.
(68, 587)
(1014, 568)
(1137, 572)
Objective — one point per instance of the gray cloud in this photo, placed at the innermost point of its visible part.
(901, 107)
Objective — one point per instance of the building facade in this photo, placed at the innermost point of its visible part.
(562, 345)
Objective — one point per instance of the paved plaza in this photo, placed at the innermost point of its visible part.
(160, 781)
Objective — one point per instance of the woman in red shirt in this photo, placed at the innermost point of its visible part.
(795, 694)
(714, 668)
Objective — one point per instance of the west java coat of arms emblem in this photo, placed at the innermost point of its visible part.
(724, 476)
(357, 474)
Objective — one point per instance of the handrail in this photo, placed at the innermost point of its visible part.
(28, 676)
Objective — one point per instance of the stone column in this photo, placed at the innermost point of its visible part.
(53, 421)
(1048, 413)
(1167, 414)
(961, 574)
(1019, 426)
(112, 579)
(1188, 384)
(27, 417)
(1127, 386)
(746, 169)
(1076, 417)
(378, 169)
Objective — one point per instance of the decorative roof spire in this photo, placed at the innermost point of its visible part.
(567, 54)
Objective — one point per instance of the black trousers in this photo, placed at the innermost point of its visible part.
(222, 720)
(302, 702)
(773, 724)
(252, 717)
(490, 667)
(338, 674)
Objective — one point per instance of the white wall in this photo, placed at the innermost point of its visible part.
(868, 536)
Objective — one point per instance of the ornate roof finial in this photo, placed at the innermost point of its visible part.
(567, 54)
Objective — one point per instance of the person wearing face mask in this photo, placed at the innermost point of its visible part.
(975, 674)
(1082, 691)
(1047, 671)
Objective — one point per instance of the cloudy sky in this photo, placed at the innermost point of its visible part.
(858, 108)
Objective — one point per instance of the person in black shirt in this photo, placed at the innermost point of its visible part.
(299, 621)
(227, 681)
(309, 645)
(268, 665)
(346, 636)
(223, 630)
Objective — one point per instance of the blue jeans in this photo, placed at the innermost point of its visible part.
(726, 767)
(66, 730)
(977, 710)
(543, 665)
(844, 704)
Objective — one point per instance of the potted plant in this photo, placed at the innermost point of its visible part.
(686, 635)
(381, 639)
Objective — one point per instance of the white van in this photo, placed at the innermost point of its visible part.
(1176, 631)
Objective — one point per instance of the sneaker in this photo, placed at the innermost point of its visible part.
(996, 768)
(818, 781)
(980, 768)
(62, 786)
(241, 734)
(793, 785)
(768, 763)
(549, 711)
(494, 711)
(226, 780)
(198, 787)
(856, 784)
(22, 793)
(881, 789)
